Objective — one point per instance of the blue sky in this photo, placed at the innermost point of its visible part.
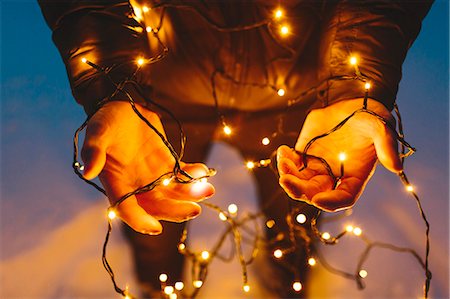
(39, 116)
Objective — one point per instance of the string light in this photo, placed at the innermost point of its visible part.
(409, 188)
(363, 273)
(301, 218)
(163, 277)
(250, 164)
(297, 286)
(278, 14)
(312, 261)
(179, 285)
(246, 288)
(342, 156)
(166, 182)
(145, 9)
(349, 228)
(235, 224)
(111, 214)
(205, 255)
(169, 290)
(265, 141)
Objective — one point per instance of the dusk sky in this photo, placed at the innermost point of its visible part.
(40, 193)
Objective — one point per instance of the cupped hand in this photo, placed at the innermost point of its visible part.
(363, 139)
(127, 154)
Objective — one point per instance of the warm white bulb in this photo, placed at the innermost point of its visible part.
(140, 61)
(353, 60)
(84, 60)
(148, 29)
(409, 188)
(284, 30)
(205, 255)
(278, 14)
(111, 214)
(246, 288)
(311, 261)
(301, 218)
(145, 9)
(179, 285)
(265, 141)
(181, 246)
(126, 297)
(278, 253)
(363, 273)
(357, 231)
(168, 290)
(270, 223)
(227, 130)
(281, 92)
(326, 236)
(173, 296)
(250, 165)
(163, 277)
(222, 216)
(166, 182)
(297, 286)
(342, 156)
(367, 85)
(349, 228)
(232, 208)
(197, 283)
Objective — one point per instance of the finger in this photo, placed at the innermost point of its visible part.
(195, 191)
(196, 170)
(94, 158)
(302, 189)
(286, 166)
(169, 209)
(137, 218)
(387, 151)
(343, 197)
(285, 152)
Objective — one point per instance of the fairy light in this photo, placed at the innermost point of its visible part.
(265, 141)
(278, 14)
(179, 285)
(205, 255)
(246, 288)
(140, 61)
(342, 156)
(145, 9)
(326, 236)
(227, 130)
(363, 273)
(166, 182)
(197, 284)
(181, 247)
(278, 253)
(297, 286)
(163, 277)
(301, 218)
(173, 296)
(83, 60)
(250, 164)
(111, 214)
(409, 188)
(232, 209)
(357, 231)
(169, 290)
(281, 92)
(312, 261)
(148, 29)
(353, 60)
(367, 86)
(222, 216)
(270, 223)
(349, 228)
(284, 30)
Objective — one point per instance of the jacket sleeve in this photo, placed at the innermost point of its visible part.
(104, 32)
(378, 34)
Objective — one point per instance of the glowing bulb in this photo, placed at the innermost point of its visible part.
(363, 273)
(367, 86)
(145, 9)
(84, 60)
(179, 285)
(173, 296)
(353, 60)
(168, 290)
(222, 216)
(278, 14)
(250, 165)
(232, 208)
(297, 286)
(349, 228)
(197, 283)
(148, 29)
(140, 61)
(227, 130)
(163, 277)
(246, 288)
(166, 182)
(81, 167)
(357, 231)
(409, 188)
(111, 214)
(342, 156)
(326, 236)
(284, 30)
(181, 246)
(301, 218)
(205, 255)
(265, 141)
(281, 92)
(311, 261)
(278, 253)
(204, 180)
(126, 297)
(76, 164)
(262, 162)
(270, 223)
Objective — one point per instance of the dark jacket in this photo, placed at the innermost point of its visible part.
(315, 54)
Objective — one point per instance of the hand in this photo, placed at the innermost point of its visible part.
(126, 154)
(363, 139)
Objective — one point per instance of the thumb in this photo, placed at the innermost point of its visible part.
(94, 158)
(386, 147)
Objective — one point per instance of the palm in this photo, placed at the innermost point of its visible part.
(127, 155)
(363, 138)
